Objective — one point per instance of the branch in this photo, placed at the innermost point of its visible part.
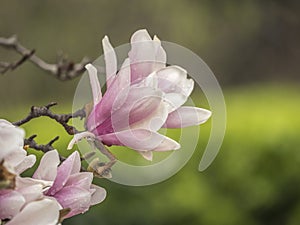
(64, 69)
(101, 169)
(62, 119)
(30, 143)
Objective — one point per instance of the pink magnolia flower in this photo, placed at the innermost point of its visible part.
(71, 188)
(38, 200)
(141, 98)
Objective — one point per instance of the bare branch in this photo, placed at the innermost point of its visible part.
(64, 69)
(62, 119)
(30, 143)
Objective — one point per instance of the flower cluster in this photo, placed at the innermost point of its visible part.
(142, 97)
(52, 189)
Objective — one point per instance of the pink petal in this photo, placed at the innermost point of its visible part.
(110, 61)
(82, 180)
(75, 198)
(103, 109)
(145, 55)
(47, 169)
(43, 212)
(140, 139)
(10, 203)
(152, 120)
(96, 88)
(98, 194)
(143, 108)
(70, 166)
(187, 116)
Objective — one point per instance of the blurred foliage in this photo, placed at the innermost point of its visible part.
(255, 178)
(253, 181)
(242, 41)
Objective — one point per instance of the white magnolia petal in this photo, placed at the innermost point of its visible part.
(47, 169)
(10, 203)
(146, 55)
(167, 144)
(140, 139)
(173, 81)
(140, 35)
(174, 100)
(43, 212)
(28, 181)
(98, 195)
(161, 56)
(27, 163)
(110, 60)
(187, 116)
(32, 192)
(11, 138)
(96, 88)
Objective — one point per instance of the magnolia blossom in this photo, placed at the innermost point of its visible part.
(25, 196)
(11, 148)
(39, 199)
(42, 212)
(142, 97)
(14, 160)
(71, 188)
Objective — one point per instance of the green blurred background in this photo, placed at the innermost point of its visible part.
(254, 50)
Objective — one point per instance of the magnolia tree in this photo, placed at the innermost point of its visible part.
(142, 96)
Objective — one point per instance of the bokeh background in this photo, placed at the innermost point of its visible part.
(254, 50)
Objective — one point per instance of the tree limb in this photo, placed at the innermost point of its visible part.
(30, 143)
(64, 69)
(62, 119)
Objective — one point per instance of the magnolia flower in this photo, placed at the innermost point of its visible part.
(13, 200)
(38, 200)
(42, 212)
(71, 188)
(20, 196)
(141, 98)
(11, 148)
